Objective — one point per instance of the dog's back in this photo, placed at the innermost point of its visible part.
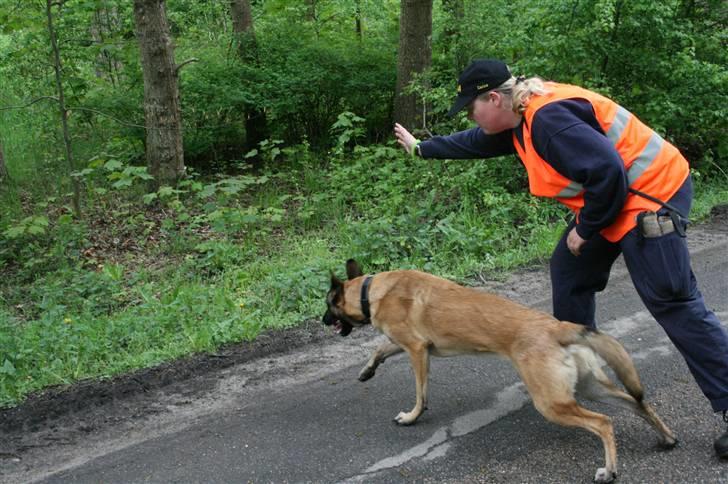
(455, 318)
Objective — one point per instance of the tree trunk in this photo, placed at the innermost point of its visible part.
(63, 111)
(165, 158)
(104, 24)
(242, 15)
(357, 19)
(310, 10)
(414, 57)
(256, 124)
(312, 16)
(605, 60)
(451, 33)
(4, 176)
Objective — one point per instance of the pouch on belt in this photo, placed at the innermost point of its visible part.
(652, 225)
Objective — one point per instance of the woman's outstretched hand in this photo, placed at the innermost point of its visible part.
(404, 138)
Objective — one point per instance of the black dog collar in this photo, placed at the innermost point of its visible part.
(365, 299)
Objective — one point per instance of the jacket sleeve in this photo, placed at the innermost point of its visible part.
(567, 135)
(471, 143)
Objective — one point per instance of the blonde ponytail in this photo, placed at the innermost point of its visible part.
(519, 90)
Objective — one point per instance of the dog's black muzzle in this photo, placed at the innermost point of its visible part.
(341, 327)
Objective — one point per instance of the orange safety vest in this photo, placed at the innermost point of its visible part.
(653, 165)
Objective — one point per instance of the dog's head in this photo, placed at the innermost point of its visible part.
(343, 308)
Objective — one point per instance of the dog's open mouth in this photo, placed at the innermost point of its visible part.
(342, 328)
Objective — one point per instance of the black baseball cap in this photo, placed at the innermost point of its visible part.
(480, 76)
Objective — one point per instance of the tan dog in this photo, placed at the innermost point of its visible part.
(425, 315)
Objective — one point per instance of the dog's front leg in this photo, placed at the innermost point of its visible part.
(384, 351)
(420, 359)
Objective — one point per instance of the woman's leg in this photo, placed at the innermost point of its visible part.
(576, 280)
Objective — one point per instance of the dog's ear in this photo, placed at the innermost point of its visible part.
(352, 269)
(335, 282)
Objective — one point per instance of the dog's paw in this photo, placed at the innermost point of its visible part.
(667, 442)
(603, 475)
(405, 418)
(366, 373)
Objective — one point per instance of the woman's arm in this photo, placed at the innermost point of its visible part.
(471, 143)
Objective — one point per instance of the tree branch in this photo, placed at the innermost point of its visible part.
(188, 61)
(96, 111)
(7, 108)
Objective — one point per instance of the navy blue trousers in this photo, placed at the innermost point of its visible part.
(661, 273)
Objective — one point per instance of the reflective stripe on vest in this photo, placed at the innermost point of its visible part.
(618, 125)
(639, 165)
(573, 189)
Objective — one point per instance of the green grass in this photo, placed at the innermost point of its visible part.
(708, 195)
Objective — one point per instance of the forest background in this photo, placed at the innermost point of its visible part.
(134, 232)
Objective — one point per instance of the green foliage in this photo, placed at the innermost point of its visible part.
(347, 129)
(125, 176)
(28, 227)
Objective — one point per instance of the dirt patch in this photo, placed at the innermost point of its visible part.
(719, 217)
(53, 403)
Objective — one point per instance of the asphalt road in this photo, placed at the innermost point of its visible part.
(480, 426)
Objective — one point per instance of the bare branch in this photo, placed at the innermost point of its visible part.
(188, 61)
(7, 108)
(96, 111)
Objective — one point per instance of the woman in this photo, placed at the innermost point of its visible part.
(629, 189)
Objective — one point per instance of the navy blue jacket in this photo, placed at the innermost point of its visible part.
(567, 135)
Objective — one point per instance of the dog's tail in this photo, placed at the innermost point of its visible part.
(610, 350)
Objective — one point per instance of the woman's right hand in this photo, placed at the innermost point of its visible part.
(404, 137)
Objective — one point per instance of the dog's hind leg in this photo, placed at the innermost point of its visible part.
(550, 381)
(384, 351)
(573, 415)
(420, 359)
(595, 385)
